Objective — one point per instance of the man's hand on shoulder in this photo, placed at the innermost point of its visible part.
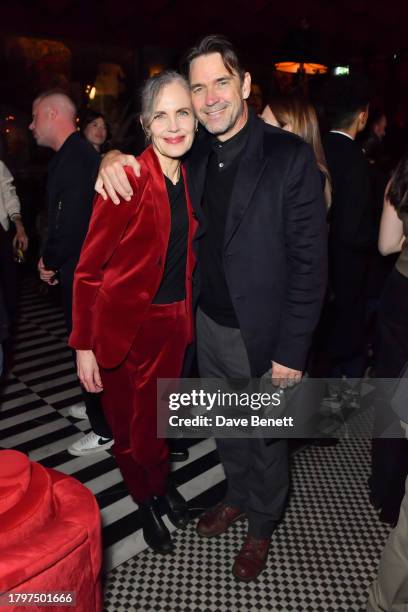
(112, 179)
(282, 376)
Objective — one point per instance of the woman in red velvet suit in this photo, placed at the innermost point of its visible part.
(132, 314)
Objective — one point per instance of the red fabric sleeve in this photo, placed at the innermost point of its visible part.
(107, 226)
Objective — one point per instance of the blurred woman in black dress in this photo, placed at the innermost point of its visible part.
(390, 455)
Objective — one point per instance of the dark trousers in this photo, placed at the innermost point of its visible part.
(92, 401)
(8, 273)
(129, 398)
(257, 470)
(348, 277)
(389, 466)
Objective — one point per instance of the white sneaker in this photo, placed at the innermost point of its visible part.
(90, 444)
(78, 411)
(331, 403)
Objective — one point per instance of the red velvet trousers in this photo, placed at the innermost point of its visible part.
(129, 398)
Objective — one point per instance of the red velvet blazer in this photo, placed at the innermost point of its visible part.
(122, 263)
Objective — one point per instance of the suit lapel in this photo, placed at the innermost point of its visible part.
(197, 170)
(196, 175)
(159, 196)
(248, 174)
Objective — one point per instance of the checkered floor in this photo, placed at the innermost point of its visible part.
(324, 554)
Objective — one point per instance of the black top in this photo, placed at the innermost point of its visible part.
(70, 191)
(323, 179)
(215, 299)
(173, 285)
(352, 215)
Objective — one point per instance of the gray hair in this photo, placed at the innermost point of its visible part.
(150, 91)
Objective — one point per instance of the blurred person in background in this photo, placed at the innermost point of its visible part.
(95, 129)
(372, 139)
(13, 239)
(390, 465)
(372, 144)
(298, 116)
(70, 194)
(390, 455)
(389, 591)
(352, 233)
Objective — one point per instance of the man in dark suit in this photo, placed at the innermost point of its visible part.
(70, 194)
(261, 275)
(352, 234)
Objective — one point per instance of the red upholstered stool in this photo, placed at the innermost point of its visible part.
(50, 535)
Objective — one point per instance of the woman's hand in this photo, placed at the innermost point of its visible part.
(88, 371)
(112, 179)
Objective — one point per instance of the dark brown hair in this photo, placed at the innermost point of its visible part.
(398, 189)
(344, 97)
(89, 115)
(215, 43)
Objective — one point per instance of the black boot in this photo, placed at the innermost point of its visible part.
(176, 506)
(155, 532)
(177, 450)
(177, 456)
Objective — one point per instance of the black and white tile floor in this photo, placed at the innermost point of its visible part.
(324, 554)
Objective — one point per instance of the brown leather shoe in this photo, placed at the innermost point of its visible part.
(251, 559)
(217, 520)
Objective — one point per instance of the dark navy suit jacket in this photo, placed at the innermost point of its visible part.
(275, 246)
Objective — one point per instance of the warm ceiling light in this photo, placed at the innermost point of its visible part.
(92, 93)
(156, 69)
(306, 67)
